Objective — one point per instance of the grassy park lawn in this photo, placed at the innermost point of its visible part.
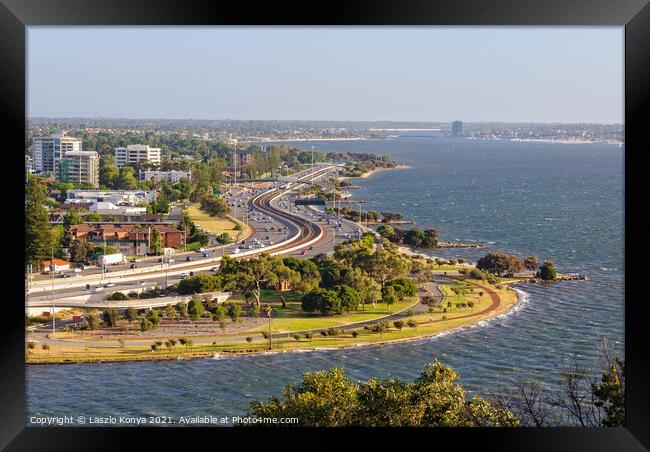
(291, 319)
(214, 225)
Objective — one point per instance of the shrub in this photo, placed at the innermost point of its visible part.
(411, 323)
(333, 331)
(355, 333)
(296, 337)
(249, 339)
(31, 345)
(118, 296)
(146, 325)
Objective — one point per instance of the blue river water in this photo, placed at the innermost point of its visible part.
(556, 201)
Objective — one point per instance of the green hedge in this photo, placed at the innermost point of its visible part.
(193, 246)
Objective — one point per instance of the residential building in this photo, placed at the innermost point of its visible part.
(108, 208)
(128, 238)
(241, 156)
(173, 176)
(134, 153)
(79, 167)
(47, 151)
(456, 128)
(117, 197)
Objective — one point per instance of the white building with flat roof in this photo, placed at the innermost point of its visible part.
(117, 197)
(134, 153)
(173, 176)
(47, 151)
(108, 208)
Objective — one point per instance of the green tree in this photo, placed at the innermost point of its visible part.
(330, 399)
(195, 308)
(93, 217)
(130, 314)
(72, 218)
(109, 317)
(146, 324)
(38, 236)
(388, 295)
(156, 241)
(385, 265)
(350, 298)
(80, 250)
(92, 318)
(531, 263)
(326, 301)
(547, 271)
(108, 171)
(499, 263)
(127, 179)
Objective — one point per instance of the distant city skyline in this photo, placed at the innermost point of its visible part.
(402, 74)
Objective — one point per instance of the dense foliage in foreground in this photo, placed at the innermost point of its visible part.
(330, 399)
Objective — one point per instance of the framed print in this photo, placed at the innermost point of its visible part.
(396, 216)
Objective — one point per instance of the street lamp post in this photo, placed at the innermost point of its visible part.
(267, 311)
(52, 268)
(312, 166)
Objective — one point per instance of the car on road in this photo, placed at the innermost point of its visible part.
(303, 252)
(188, 258)
(110, 284)
(133, 266)
(162, 295)
(184, 275)
(311, 248)
(97, 289)
(214, 269)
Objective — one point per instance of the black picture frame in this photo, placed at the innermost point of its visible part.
(634, 15)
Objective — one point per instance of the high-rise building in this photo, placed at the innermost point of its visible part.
(456, 128)
(47, 151)
(135, 153)
(79, 167)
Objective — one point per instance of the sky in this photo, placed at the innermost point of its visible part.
(439, 74)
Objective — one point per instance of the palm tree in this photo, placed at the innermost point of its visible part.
(267, 310)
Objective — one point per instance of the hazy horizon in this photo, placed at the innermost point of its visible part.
(316, 120)
(545, 75)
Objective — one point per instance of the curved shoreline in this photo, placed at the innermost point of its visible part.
(480, 317)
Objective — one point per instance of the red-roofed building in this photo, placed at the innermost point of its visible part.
(126, 238)
(59, 265)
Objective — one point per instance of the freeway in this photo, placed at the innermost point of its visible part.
(300, 229)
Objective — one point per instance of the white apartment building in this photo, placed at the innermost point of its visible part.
(47, 151)
(135, 153)
(117, 197)
(79, 167)
(173, 176)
